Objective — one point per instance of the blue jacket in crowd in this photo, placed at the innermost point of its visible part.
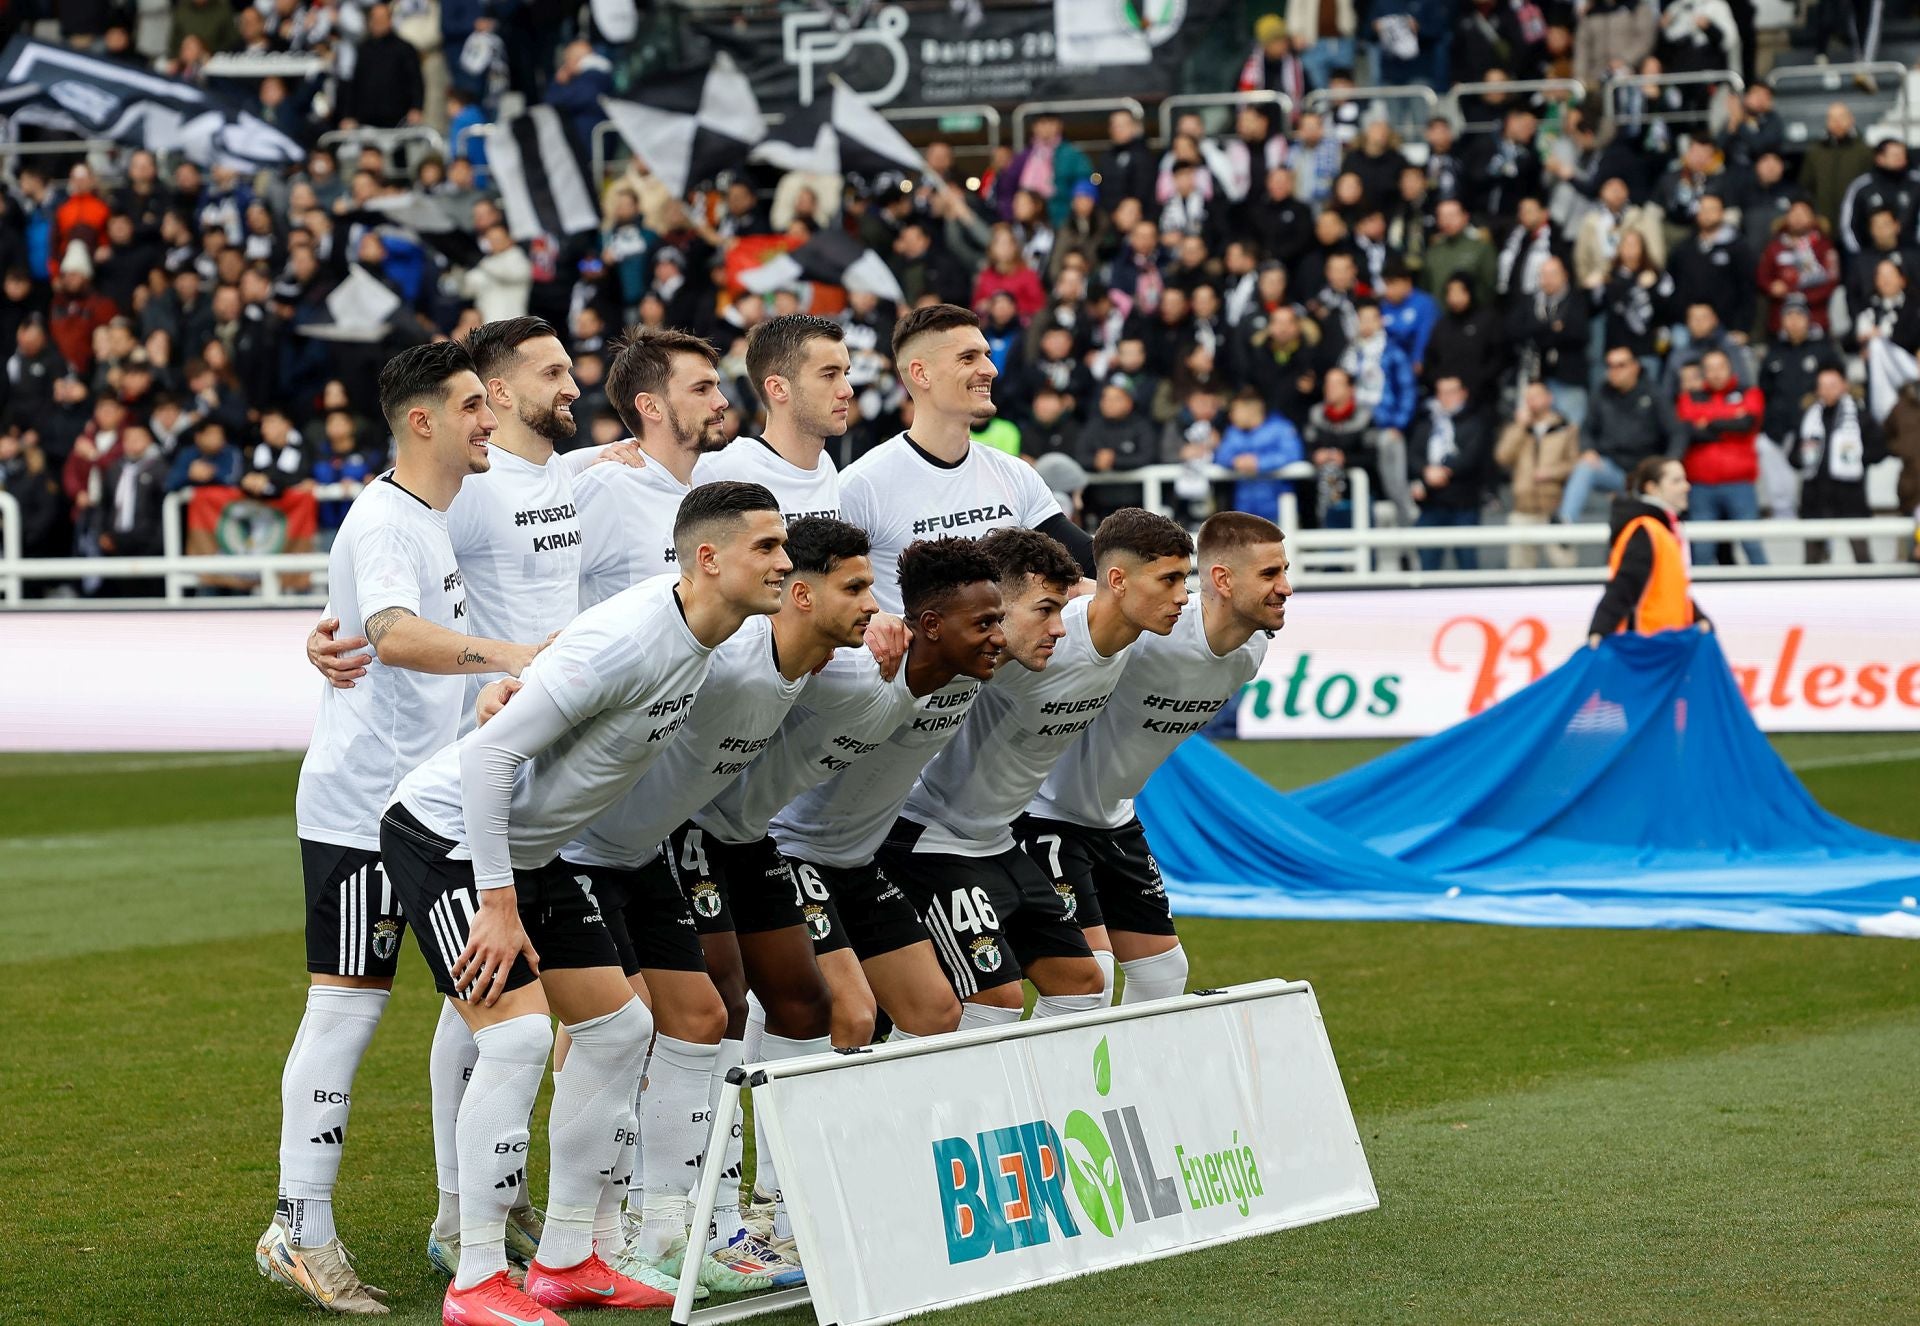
(1273, 444)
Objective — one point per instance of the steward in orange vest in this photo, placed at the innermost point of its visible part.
(1648, 586)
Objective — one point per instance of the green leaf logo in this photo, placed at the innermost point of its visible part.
(1102, 1068)
(1095, 1174)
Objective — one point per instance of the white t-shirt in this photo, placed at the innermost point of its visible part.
(814, 492)
(970, 795)
(898, 493)
(623, 674)
(1172, 687)
(517, 536)
(626, 527)
(391, 552)
(844, 714)
(741, 705)
(843, 821)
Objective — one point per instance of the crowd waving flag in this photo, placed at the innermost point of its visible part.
(690, 127)
(831, 257)
(70, 92)
(839, 135)
(543, 183)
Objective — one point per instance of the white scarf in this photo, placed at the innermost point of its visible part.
(1841, 451)
(1441, 444)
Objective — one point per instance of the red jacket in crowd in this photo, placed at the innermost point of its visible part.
(86, 212)
(1721, 428)
(1806, 265)
(1023, 283)
(75, 318)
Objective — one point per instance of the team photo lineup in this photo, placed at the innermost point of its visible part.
(708, 754)
(726, 569)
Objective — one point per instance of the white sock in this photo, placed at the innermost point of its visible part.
(609, 1230)
(446, 1216)
(1052, 1006)
(1161, 976)
(1105, 961)
(592, 1109)
(449, 1067)
(898, 1034)
(726, 1205)
(636, 1186)
(766, 1179)
(316, 1090)
(756, 1030)
(974, 1015)
(675, 1109)
(493, 1139)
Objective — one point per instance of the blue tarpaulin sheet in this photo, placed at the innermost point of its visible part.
(1630, 787)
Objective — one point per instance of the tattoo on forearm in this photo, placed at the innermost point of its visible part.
(471, 656)
(383, 621)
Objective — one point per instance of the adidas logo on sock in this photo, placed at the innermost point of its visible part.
(513, 1180)
(332, 1137)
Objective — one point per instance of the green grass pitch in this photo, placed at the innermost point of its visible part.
(1564, 1125)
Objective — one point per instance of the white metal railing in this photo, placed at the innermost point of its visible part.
(389, 141)
(1171, 107)
(988, 116)
(1333, 549)
(1425, 99)
(1027, 110)
(1524, 88)
(10, 545)
(1711, 78)
(1351, 556)
(1838, 78)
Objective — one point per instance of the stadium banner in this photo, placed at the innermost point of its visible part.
(931, 53)
(963, 1167)
(1809, 656)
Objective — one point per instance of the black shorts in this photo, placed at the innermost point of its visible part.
(696, 875)
(353, 916)
(818, 907)
(1110, 873)
(760, 887)
(988, 916)
(562, 918)
(867, 911)
(647, 915)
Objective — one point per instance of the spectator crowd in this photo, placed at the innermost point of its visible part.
(1503, 310)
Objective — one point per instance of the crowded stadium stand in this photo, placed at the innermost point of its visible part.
(1421, 281)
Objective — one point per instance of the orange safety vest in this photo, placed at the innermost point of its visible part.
(1666, 604)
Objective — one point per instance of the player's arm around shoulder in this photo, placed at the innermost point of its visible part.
(403, 639)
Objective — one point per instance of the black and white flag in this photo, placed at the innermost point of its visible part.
(542, 181)
(70, 92)
(839, 135)
(831, 257)
(690, 127)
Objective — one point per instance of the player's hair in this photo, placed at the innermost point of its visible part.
(1019, 553)
(495, 345)
(711, 506)
(932, 569)
(1229, 531)
(1139, 533)
(817, 544)
(417, 374)
(928, 321)
(778, 346)
(643, 361)
(1647, 473)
